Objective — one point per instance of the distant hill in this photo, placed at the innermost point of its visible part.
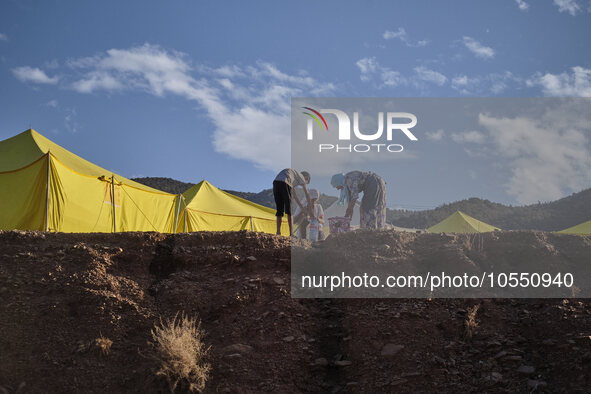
(264, 197)
(167, 185)
(551, 216)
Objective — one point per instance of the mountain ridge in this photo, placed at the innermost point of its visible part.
(550, 216)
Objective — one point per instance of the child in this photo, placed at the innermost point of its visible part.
(316, 218)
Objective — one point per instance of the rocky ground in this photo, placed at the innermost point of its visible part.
(59, 293)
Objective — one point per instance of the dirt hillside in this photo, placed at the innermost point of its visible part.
(59, 293)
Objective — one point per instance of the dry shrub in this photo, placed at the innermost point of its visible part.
(181, 352)
(470, 324)
(103, 345)
(473, 242)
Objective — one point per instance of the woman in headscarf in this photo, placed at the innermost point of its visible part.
(372, 210)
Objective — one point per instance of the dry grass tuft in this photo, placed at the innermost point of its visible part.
(103, 345)
(182, 353)
(470, 324)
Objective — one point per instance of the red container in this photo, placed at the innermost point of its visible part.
(339, 224)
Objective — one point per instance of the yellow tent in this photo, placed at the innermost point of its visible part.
(45, 187)
(204, 207)
(581, 229)
(461, 223)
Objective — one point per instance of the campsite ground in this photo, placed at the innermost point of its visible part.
(62, 292)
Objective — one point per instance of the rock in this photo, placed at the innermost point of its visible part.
(278, 281)
(237, 348)
(251, 258)
(321, 361)
(396, 382)
(534, 384)
(391, 349)
(342, 363)
(500, 354)
(526, 369)
(289, 338)
(494, 377)
(513, 358)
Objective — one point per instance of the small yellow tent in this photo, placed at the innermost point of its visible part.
(461, 223)
(45, 187)
(581, 229)
(204, 207)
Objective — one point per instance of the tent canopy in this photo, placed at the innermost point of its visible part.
(45, 187)
(580, 229)
(204, 207)
(28, 146)
(461, 223)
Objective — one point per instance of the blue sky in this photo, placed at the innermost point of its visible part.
(201, 90)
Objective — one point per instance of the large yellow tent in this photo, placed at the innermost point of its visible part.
(204, 207)
(461, 223)
(45, 187)
(581, 229)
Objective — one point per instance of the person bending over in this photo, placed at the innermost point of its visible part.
(283, 186)
(372, 210)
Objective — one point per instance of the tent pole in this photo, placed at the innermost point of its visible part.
(47, 192)
(178, 211)
(251, 224)
(113, 202)
(185, 227)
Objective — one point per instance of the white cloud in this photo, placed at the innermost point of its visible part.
(52, 64)
(392, 78)
(498, 82)
(477, 48)
(33, 74)
(460, 81)
(547, 158)
(369, 67)
(248, 106)
(523, 6)
(428, 75)
(473, 137)
(52, 103)
(570, 6)
(577, 83)
(464, 84)
(3, 37)
(401, 35)
(70, 121)
(97, 81)
(435, 135)
(494, 83)
(390, 35)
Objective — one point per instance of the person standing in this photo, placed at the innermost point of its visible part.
(316, 217)
(372, 210)
(283, 186)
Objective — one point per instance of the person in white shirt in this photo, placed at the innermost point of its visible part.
(316, 218)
